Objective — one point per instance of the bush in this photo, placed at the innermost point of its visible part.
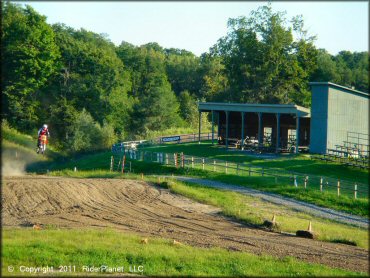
(88, 135)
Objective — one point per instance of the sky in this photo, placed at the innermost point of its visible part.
(196, 26)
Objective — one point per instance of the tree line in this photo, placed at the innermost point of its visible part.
(93, 93)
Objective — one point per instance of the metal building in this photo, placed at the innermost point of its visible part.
(338, 115)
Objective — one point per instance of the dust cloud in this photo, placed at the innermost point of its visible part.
(12, 164)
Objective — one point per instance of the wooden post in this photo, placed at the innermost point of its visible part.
(166, 158)
(192, 162)
(202, 163)
(175, 159)
(355, 190)
(182, 160)
(226, 167)
(321, 184)
(75, 169)
(123, 164)
(305, 182)
(338, 187)
(142, 176)
(214, 165)
(111, 163)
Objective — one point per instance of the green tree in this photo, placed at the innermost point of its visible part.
(29, 58)
(182, 69)
(263, 62)
(188, 108)
(92, 77)
(88, 135)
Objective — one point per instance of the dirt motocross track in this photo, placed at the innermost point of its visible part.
(138, 207)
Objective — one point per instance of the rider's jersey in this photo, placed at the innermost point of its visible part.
(43, 132)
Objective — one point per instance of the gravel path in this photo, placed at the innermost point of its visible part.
(311, 209)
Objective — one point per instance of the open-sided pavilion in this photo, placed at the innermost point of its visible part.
(237, 121)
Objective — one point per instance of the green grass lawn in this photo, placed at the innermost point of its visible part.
(64, 247)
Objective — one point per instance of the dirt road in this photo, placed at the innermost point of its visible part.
(141, 208)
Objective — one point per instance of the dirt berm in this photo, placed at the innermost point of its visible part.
(142, 208)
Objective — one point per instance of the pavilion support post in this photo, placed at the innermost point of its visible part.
(242, 139)
(260, 129)
(277, 132)
(227, 130)
(218, 125)
(297, 134)
(200, 125)
(213, 127)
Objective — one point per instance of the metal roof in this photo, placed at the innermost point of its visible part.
(350, 90)
(254, 107)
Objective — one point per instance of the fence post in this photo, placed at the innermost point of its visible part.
(226, 167)
(305, 182)
(111, 163)
(123, 164)
(175, 159)
(214, 165)
(203, 163)
(338, 187)
(182, 160)
(192, 162)
(321, 184)
(355, 190)
(295, 181)
(166, 158)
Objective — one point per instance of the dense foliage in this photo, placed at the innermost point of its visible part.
(93, 93)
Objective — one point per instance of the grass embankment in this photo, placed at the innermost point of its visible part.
(159, 257)
(329, 199)
(301, 163)
(247, 209)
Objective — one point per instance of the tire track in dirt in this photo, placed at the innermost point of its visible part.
(136, 206)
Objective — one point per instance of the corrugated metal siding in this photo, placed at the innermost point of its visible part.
(319, 119)
(346, 112)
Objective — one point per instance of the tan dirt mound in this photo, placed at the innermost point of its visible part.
(138, 207)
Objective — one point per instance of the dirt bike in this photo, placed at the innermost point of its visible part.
(41, 146)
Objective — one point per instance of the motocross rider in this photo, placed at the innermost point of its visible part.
(42, 131)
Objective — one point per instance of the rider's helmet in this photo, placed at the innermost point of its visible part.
(45, 126)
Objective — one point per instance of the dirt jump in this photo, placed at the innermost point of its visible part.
(139, 207)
